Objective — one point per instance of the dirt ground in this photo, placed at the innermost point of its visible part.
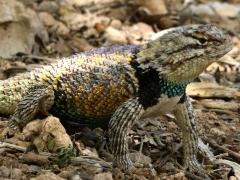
(36, 32)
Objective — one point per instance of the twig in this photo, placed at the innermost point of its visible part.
(104, 7)
(231, 153)
(235, 166)
(80, 160)
(193, 176)
(12, 146)
(40, 58)
(44, 156)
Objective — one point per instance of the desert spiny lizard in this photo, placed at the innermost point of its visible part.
(116, 86)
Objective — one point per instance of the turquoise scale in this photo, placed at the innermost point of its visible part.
(172, 89)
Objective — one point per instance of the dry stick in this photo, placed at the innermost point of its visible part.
(40, 58)
(94, 7)
(79, 160)
(73, 160)
(12, 146)
(231, 153)
(193, 176)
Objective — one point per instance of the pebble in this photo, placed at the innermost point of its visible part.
(4, 171)
(16, 173)
(49, 6)
(115, 36)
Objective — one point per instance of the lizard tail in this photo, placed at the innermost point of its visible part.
(11, 92)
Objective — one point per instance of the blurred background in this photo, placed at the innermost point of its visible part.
(63, 27)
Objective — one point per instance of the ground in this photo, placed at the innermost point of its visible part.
(34, 33)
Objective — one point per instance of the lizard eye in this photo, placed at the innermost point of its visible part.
(202, 41)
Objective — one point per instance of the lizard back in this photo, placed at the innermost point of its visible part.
(87, 87)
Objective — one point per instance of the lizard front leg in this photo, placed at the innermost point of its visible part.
(37, 99)
(122, 119)
(185, 119)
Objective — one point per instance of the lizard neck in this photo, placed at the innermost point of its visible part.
(153, 85)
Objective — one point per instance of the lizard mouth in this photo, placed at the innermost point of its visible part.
(224, 50)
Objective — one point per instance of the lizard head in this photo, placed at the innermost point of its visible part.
(182, 53)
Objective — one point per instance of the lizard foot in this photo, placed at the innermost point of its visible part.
(194, 166)
(124, 163)
(205, 151)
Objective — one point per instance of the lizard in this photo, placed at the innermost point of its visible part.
(116, 86)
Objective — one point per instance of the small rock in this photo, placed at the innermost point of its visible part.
(16, 173)
(33, 169)
(119, 13)
(223, 9)
(61, 29)
(79, 44)
(205, 77)
(138, 32)
(226, 10)
(155, 6)
(92, 152)
(49, 135)
(48, 176)
(117, 24)
(5, 172)
(233, 178)
(167, 168)
(115, 36)
(201, 9)
(140, 158)
(67, 173)
(179, 175)
(90, 33)
(49, 6)
(217, 132)
(47, 19)
(76, 177)
(103, 176)
(94, 168)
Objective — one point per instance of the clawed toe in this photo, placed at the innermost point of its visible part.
(124, 164)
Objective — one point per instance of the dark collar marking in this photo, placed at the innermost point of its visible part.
(183, 98)
(152, 86)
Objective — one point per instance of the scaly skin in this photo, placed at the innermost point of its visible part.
(119, 85)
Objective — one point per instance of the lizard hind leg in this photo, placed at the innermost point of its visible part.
(38, 99)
